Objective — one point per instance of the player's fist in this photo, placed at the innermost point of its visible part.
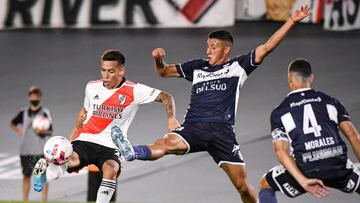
(158, 53)
(300, 14)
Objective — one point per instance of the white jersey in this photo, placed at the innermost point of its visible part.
(112, 107)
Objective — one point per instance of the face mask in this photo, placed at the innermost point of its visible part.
(35, 102)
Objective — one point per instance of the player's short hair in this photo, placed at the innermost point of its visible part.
(222, 35)
(113, 55)
(300, 66)
(34, 90)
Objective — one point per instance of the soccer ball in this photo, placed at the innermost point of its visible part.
(57, 150)
(41, 123)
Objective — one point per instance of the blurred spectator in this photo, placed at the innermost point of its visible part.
(33, 137)
(279, 10)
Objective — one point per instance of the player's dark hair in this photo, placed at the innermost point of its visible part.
(34, 90)
(222, 35)
(301, 67)
(113, 55)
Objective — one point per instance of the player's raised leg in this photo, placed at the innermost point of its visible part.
(238, 176)
(40, 174)
(122, 143)
(44, 172)
(266, 193)
(169, 144)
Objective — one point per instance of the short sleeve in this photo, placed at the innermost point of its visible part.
(144, 94)
(342, 114)
(47, 114)
(186, 69)
(277, 129)
(18, 119)
(86, 99)
(247, 62)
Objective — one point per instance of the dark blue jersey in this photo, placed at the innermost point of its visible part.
(215, 89)
(309, 120)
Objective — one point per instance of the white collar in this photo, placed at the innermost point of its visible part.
(299, 90)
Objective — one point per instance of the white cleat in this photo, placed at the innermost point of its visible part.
(122, 143)
(40, 174)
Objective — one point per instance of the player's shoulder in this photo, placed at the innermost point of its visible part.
(282, 107)
(140, 86)
(134, 86)
(243, 55)
(46, 110)
(22, 110)
(129, 83)
(326, 97)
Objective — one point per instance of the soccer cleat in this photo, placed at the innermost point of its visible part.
(40, 174)
(122, 143)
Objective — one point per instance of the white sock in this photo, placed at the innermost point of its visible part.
(105, 191)
(54, 172)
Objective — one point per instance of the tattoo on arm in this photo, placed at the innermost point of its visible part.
(168, 102)
(78, 123)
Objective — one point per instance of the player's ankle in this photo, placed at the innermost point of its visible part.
(142, 152)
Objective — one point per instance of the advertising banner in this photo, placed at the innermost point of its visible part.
(115, 13)
(342, 15)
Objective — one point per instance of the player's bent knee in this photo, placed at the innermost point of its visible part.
(111, 170)
(74, 160)
(244, 190)
(174, 144)
(242, 186)
(263, 183)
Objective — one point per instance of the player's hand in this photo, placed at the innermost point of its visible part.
(316, 187)
(40, 132)
(19, 132)
(300, 14)
(173, 124)
(158, 53)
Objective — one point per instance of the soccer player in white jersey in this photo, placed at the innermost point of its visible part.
(109, 107)
(208, 124)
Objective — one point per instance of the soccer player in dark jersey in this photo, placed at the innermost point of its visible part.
(308, 121)
(208, 125)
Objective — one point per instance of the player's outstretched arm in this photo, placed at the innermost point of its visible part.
(352, 135)
(161, 68)
(169, 105)
(263, 50)
(78, 124)
(314, 186)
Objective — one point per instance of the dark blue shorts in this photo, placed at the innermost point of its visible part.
(218, 139)
(281, 180)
